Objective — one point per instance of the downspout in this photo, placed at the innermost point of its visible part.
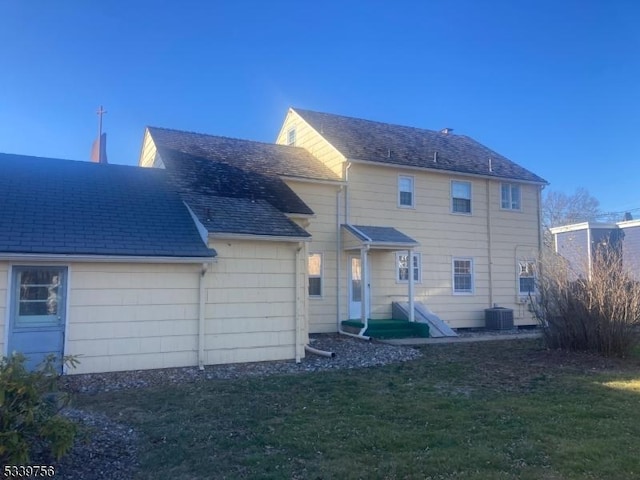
(345, 192)
(489, 245)
(201, 312)
(364, 287)
(297, 301)
(412, 313)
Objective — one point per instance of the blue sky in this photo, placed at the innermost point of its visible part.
(553, 85)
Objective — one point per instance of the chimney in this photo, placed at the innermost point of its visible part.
(446, 130)
(627, 217)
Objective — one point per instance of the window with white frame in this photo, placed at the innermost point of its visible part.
(402, 267)
(462, 275)
(315, 274)
(526, 277)
(510, 196)
(460, 197)
(291, 137)
(405, 191)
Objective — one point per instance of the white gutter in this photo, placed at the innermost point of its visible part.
(201, 315)
(443, 172)
(247, 236)
(323, 181)
(63, 258)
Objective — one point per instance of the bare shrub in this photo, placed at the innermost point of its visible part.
(597, 310)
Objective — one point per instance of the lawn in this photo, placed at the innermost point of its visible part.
(471, 411)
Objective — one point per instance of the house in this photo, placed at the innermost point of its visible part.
(467, 216)
(224, 250)
(581, 243)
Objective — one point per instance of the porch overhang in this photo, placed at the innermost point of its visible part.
(356, 237)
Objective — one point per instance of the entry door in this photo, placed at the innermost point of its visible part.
(38, 313)
(355, 288)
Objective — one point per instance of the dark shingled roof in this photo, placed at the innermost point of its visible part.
(263, 158)
(379, 235)
(384, 143)
(235, 186)
(53, 206)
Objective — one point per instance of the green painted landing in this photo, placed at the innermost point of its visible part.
(389, 328)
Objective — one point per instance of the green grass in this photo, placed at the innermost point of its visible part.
(491, 410)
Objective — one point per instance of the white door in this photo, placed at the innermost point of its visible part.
(355, 288)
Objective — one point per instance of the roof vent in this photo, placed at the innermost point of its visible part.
(446, 130)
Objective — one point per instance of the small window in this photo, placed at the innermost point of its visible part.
(460, 197)
(462, 275)
(291, 137)
(402, 270)
(510, 194)
(315, 274)
(405, 191)
(526, 277)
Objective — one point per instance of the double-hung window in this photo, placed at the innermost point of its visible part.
(460, 197)
(526, 277)
(291, 137)
(402, 268)
(315, 274)
(405, 191)
(510, 196)
(462, 275)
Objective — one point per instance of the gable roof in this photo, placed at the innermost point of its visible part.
(63, 207)
(384, 143)
(236, 186)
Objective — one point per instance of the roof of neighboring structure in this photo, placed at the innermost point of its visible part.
(384, 143)
(380, 236)
(64, 207)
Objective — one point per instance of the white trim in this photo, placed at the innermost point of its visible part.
(300, 215)
(248, 236)
(294, 178)
(321, 276)
(628, 223)
(452, 211)
(416, 255)
(587, 225)
(42, 257)
(67, 307)
(445, 172)
(453, 276)
(413, 191)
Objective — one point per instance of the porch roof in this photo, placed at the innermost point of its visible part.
(383, 238)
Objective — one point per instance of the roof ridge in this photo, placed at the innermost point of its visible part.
(225, 137)
(375, 121)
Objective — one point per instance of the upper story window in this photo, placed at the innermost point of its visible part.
(405, 191)
(291, 137)
(460, 197)
(402, 270)
(315, 274)
(462, 275)
(526, 277)
(510, 196)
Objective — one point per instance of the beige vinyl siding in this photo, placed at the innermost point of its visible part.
(251, 297)
(132, 316)
(4, 272)
(322, 199)
(143, 316)
(312, 141)
(148, 152)
(442, 237)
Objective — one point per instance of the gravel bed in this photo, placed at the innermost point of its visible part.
(106, 450)
(349, 353)
(483, 332)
